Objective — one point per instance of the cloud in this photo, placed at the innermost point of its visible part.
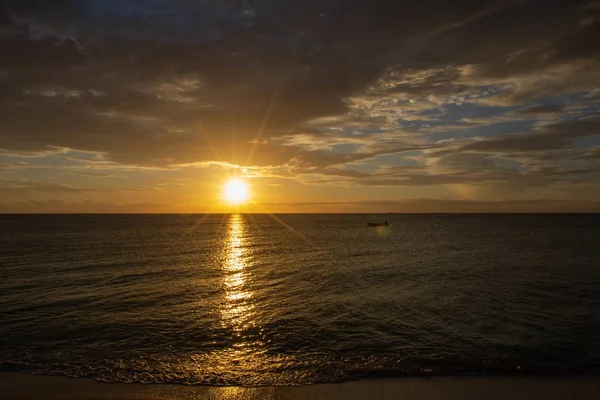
(97, 175)
(85, 207)
(12, 187)
(437, 206)
(325, 92)
(546, 137)
(592, 154)
(540, 110)
(15, 165)
(168, 82)
(467, 174)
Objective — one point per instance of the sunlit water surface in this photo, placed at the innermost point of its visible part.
(296, 299)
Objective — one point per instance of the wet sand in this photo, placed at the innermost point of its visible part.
(19, 386)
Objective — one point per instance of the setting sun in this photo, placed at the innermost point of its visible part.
(235, 191)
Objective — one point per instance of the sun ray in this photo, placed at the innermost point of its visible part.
(192, 228)
(290, 228)
(274, 99)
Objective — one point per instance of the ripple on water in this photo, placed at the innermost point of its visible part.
(244, 300)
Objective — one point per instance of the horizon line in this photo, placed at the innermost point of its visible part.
(310, 213)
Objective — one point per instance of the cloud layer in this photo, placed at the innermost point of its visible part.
(390, 93)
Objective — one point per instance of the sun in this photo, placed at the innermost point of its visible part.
(235, 191)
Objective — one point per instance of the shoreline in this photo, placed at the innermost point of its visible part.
(21, 386)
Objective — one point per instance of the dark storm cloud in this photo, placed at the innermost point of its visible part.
(168, 82)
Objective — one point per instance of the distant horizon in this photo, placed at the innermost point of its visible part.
(415, 206)
(318, 213)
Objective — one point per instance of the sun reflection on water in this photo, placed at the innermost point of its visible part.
(237, 309)
(243, 357)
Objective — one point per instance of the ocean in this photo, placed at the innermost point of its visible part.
(298, 299)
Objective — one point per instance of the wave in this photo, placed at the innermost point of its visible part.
(282, 370)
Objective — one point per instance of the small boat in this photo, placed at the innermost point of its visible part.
(384, 223)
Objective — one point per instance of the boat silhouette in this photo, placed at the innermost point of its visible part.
(384, 223)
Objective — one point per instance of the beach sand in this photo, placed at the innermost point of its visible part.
(15, 386)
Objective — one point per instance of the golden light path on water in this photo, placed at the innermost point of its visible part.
(244, 357)
(238, 309)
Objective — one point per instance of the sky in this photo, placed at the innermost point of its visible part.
(320, 106)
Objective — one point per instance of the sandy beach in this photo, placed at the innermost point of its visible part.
(17, 386)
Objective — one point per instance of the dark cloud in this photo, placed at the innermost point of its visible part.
(170, 82)
(19, 51)
(307, 160)
(476, 171)
(499, 179)
(531, 36)
(540, 110)
(549, 137)
(464, 161)
(594, 153)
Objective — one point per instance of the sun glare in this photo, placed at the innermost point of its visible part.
(235, 192)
